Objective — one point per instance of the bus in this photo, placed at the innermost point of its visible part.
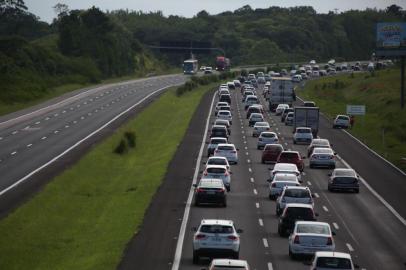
(190, 66)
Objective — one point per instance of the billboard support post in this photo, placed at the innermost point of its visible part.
(402, 82)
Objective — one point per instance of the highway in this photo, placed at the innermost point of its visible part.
(365, 227)
(33, 139)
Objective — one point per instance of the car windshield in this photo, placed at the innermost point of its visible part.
(313, 228)
(216, 229)
(320, 142)
(224, 113)
(348, 173)
(272, 148)
(333, 263)
(303, 130)
(297, 193)
(323, 151)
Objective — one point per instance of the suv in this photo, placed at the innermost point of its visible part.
(214, 141)
(219, 172)
(216, 237)
(219, 131)
(303, 135)
(291, 157)
(292, 194)
(271, 153)
(289, 119)
(210, 190)
(343, 179)
(292, 213)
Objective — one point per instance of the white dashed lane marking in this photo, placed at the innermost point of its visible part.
(350, 248)
(265, 241)
(255, 191)
(29, 145)
(43, 138)
(335, 225)
(316, 195)
(270, 266)
(252, 180)
(257, 205)
(38, 122)
(250, 170)
(309, 183)
(325, 208)
(14, 132)
(13, 153)
(261, 222)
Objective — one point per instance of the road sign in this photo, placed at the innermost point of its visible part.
(356, 109)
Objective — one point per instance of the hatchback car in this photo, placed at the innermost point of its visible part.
(343, 179)
(308, 237)
(303, 135)
(292, 213)
(266, 137)
(289, 119)
(293, 194)
(322, 157)
(214, 141)
(228, 151)
(284, 168)
(255, 117)
(327, 260)
(271, 152)
(218, 172)
(320, 143)
(229, 264)
(279, 181)
(226, 115)
(219, 131)
(218, 161)
(216, 238)
(341, 121)
(260, 127)
(291, 157)
(210, 191)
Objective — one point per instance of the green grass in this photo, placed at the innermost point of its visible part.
(84, 218)
(380, 92)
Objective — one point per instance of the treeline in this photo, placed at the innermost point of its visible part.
(79, 47)
(275, 34)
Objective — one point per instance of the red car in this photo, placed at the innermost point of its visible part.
(291, 157)
(271, 153)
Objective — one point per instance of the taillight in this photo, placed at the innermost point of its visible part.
(329, 241)
(205, 174)
(233, 151)
(200, 236)
(296, 240)
(199, 190)
(273, 185)
(232, 237)
(221, 190)
(226, 174)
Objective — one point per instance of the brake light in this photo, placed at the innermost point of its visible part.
(221, 190)
(273, 185)
(296, 240)
(200, 190)
(232, 237)
(233, 151)
(226, 174)
(329, 241)
(200, 236)
(205, 174)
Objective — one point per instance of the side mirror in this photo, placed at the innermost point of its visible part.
(240, 231)
(333, 233)
(269, 180)
(200, 171)
(313, 196)
(335, 153)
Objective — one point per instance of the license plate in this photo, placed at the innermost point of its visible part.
(211, 192)
(216, 176)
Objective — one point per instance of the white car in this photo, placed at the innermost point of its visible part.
(250, 100)
(289, 119)
(214, 141)
(223, 91)
(280, 108)
(231, 85)
(260, 127)
(255, 117)
(322, 157)
(293, 194)
(218, 105)
(229, 264)
(327, 260)
(297, 78)
(218, 172)
(284, 168)
(216, 237)
(218, 161)
(308, 237)
(228, 151)
(237, 83)
(226, 115)
(266, 137)
(303, 135)
(341, 121)
(279, 182)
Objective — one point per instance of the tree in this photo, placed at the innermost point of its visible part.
(394, 9)
(61, 9)
(12, 7)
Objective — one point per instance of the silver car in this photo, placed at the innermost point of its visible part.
(279, 182)
(228, 151)
(267, 137)
(226, 115)
(287, 168)
(308, 237)
(280, 108)
(218, 172)
(218, 105)
(303, 135)
(260, 127)
(255, 117)
(293, 194)
(214, 141)
(218, 161)
(216, 237)
(322, 157)
(289, 119)
(341, 121)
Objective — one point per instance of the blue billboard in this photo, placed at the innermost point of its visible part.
(391, 35)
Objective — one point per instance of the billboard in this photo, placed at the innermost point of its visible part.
(356, 109)
(391, 35)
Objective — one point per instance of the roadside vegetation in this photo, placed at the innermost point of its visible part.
(383, 128)
(84, 218)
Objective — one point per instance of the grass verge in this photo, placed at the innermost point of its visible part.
(383, 128)
(84, 218)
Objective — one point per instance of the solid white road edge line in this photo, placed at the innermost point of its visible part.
(181, 237)
(2, 192)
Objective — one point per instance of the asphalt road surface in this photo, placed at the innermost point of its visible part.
(365, 227)
(33, 138)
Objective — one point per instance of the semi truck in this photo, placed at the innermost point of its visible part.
(281, 92)
(222, 63)
(307, 117)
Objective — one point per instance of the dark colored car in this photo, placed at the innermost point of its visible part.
(225, 98)
(291, 157)
(210, 191)
(271, 153)
(294, 212)
(219, 131)
(223, 122)
(344, 179)
(253, 109)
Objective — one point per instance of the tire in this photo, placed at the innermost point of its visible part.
(236, 255)
(195, 257)
(311, 166)
(262, 161)
(197, 203)
(259, 148)
(356, 190)
(294, 142)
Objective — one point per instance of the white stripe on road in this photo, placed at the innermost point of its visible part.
(43, 138)
(252, 180)
(14, 132)
(29, 145)
(265, 242)
(325, 208)
(270, 266)
(350, 248)
(257, 205)
(248, 161)
(335, 225)
(309, 183)
(255, 191)
(38, 122)
(316, 195)
(15, 152)
(250, 170)
(261, 222)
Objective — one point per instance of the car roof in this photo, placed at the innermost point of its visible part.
(226, 144)
(230, 262)
(344, 172)
(217, 157)
(218, 138)
(290, 152)
(320, 141)
(224, 111)
(307, 128)
(281, 177)
(261, 124)
(216, 222)
(285, 166)
(312, 223)
(322, 150)
(332, 254)
(219, 126)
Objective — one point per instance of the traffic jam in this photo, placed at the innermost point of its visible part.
(261, 145)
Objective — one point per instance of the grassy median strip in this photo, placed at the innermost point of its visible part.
(383, 128)
(84, 218)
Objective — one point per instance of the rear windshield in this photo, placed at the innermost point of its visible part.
(216, 170)
(343, 118)
(299, 212)
(272, 148)
(333, 263)
(217, 141)
(268, 135)
(217, 161)
(254, 109)
(224, 113)
(303, 130)
(297, 193)
(289, 155)
(345, 173)
(226, 147)
(344, 180)
(216, 229)
(314, 228)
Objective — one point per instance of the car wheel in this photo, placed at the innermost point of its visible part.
(228, 188)
(329, 189)
(262, 161)
(356, 190)
(195, 257)
(311, 166)
(280, 231)
(259, 148)
(236, 255)
(197, 203)
(333, 166)
(294, 142)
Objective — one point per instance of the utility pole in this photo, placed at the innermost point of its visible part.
(402, 82)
